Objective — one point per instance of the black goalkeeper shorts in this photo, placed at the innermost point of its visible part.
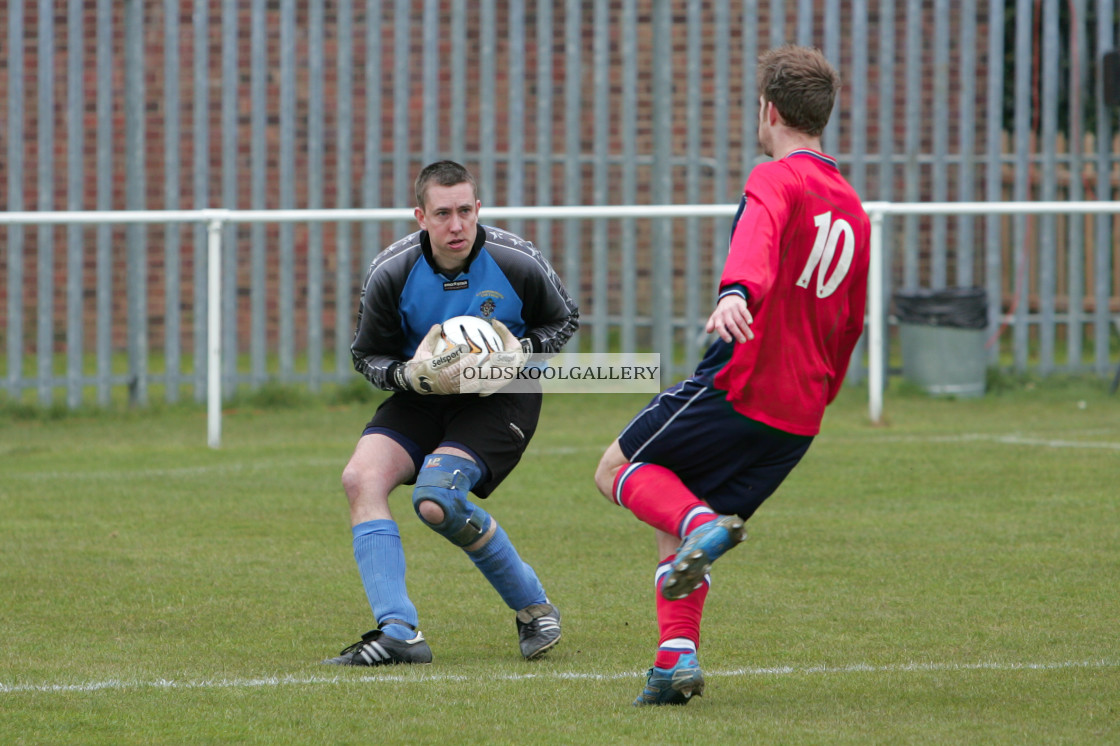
(494, 429)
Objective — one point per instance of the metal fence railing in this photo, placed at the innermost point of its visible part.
(258, 106)
(633, 313)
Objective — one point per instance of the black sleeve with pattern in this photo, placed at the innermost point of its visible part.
(379, 340)
(550, 314)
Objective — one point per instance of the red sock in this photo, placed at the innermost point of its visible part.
(677, 619)
(658, 497)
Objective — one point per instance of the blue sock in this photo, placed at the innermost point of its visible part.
(380, 557)
(512, 578)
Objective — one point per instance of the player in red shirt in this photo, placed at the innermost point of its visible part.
(699, 460)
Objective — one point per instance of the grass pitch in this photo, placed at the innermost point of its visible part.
(949, 577)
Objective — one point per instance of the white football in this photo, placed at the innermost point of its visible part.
(477, 334)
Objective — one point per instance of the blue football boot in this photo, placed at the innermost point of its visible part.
(673, 686)
(698, 551)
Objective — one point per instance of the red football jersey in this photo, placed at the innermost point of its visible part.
(800, 247)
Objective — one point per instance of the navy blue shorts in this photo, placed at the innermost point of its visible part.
(495, 430)
(729, 461)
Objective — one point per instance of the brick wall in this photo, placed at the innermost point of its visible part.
(56, 135)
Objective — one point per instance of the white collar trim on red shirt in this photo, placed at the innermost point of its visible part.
(819, 156)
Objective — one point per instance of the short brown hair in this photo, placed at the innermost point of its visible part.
(801, 84)
(442, 173)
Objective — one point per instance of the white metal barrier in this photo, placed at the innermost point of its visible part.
(876, 311)
(215, 219)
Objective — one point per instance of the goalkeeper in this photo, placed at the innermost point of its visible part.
(429, 433)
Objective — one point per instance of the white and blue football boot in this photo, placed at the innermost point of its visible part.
(673, 686)
(700, 548)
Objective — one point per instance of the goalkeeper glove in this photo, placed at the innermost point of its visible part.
(429, 373)
(500, 368)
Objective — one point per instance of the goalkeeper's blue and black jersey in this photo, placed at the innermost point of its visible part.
(405, 294)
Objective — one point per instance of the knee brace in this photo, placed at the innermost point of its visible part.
(446, 480)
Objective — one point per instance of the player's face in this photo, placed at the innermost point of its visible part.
(450, 216)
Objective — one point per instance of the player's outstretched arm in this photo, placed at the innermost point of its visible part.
(731, 320)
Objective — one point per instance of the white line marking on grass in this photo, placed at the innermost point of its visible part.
(415, 676)
(240, 467)
(259, 466)
(1020, 440)
(1007, 439)
(117, 475)
(917, 668)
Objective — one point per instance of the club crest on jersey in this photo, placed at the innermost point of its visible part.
(489, 304)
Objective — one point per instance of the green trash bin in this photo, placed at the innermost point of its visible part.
(943, 335)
